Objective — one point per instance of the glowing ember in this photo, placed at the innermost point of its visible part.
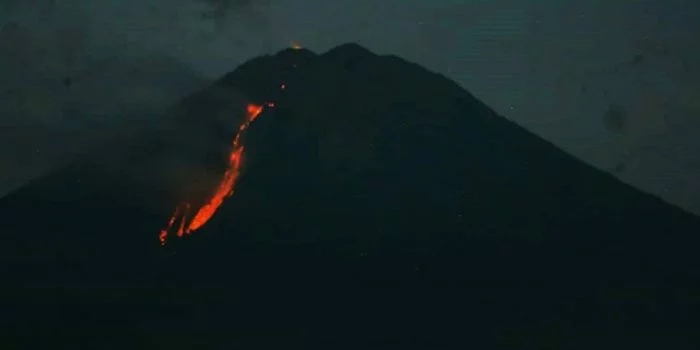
(224, 190)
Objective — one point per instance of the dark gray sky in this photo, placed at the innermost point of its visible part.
(616, 83)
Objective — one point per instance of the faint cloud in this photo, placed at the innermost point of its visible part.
(615, 119)
(222, 10)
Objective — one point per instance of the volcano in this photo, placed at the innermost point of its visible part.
(341, 199)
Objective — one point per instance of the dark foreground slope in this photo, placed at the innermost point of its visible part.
(380, 206)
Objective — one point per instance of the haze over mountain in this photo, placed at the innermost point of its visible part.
(556, 68)
(371, 203)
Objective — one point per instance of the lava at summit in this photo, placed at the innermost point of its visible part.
(189, 223)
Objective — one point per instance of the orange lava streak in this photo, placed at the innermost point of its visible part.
(223, 190)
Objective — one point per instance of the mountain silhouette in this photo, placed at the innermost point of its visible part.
(374, 204)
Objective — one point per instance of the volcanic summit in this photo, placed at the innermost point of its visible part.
(340, 198)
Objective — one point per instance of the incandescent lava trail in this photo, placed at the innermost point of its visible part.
(190, 221)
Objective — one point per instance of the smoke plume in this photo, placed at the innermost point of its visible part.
(73, 72)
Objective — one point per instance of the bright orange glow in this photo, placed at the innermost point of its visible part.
(295, 46)
(224, 189)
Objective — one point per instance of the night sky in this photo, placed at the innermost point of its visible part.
(616, 83)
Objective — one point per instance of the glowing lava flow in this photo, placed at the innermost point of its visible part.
(223, 190)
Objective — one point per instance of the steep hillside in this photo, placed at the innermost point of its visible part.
(364, 201)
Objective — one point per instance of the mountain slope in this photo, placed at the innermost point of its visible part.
(377, 201)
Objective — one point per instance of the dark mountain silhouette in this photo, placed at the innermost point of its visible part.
(380, 206)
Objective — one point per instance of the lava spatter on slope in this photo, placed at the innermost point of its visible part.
(189, 223)
(374, 181)
(189, 220)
